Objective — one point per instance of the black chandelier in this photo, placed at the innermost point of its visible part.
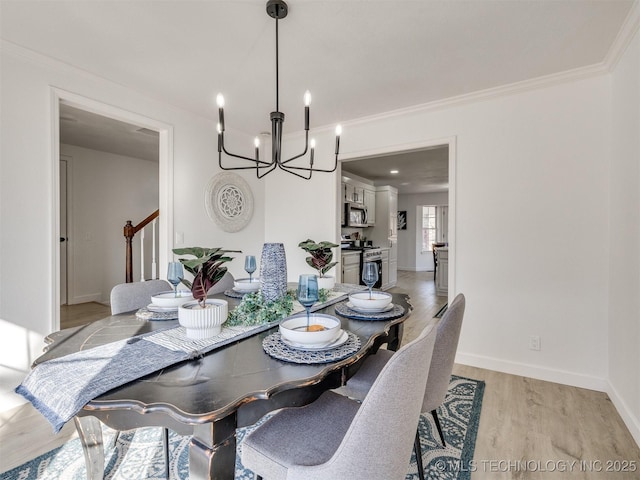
(277, 9)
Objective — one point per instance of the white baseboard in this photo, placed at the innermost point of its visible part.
(414, 269)
(630, 420)
(534, 371)
(93, 297)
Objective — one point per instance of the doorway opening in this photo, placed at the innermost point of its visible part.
(110, 166)
(422, 174)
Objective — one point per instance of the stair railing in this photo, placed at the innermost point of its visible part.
(130, 232)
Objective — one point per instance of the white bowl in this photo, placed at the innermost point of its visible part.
(378, 300)
(170, 300)
(243, 285)
(203, 322)
(294, 329)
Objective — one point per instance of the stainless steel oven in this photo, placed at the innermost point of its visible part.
(372, 255)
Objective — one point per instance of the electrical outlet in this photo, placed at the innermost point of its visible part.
(534, 342)
(179, 238)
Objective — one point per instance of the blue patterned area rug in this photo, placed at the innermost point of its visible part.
(138, 453)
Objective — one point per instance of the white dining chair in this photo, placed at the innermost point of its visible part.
(440, 368)
(338, 438)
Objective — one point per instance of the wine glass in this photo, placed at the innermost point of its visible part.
(308, 293)
(370, 275)
(174, 275)
(250, 265)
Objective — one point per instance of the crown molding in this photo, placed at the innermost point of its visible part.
(490, 93)
(625, 35)
(623, 39)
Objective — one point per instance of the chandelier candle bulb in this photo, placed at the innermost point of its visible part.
(307, 98)
(338, 133)
(313, 149)
(220, 102)
(256, 142)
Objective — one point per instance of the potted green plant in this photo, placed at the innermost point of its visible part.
(203, 317)
(320, 259)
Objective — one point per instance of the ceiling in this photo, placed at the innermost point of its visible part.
(418, 172)
(88, 130)
(358, 58)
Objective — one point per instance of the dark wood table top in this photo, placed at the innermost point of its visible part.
(206, 389)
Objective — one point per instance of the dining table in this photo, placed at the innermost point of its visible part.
(208, 397)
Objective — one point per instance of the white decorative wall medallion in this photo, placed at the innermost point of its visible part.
(229, 201)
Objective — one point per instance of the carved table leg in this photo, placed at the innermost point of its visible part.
(90, 433)
(212, 451)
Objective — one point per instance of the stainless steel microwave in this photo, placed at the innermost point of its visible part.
(355, 215)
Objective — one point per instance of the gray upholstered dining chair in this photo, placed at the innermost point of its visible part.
(337, 437)
(126, 297)
(444, 353)
(225, 283)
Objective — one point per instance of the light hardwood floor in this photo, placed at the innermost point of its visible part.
(529, 428)
(525, 423)
(82, 313)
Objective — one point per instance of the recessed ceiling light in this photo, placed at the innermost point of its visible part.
(394, 171)
(405, 183)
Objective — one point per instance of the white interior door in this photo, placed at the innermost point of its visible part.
(64, 240)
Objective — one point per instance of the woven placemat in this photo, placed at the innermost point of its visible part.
(276, 348)
(145, 314)
(396, 312)
(233, 294)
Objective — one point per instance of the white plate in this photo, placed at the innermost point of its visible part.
(342, 338)
(155, 308)
(370, 310)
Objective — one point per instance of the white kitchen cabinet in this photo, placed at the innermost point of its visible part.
(353, 192)
(442, 272)
(393, 272)
(351, 268)
(386, 210)
(347, 192)
(385, 270)
(393, 215)
(370, 203)
(385, 232)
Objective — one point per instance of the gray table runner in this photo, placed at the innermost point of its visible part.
(60, 387)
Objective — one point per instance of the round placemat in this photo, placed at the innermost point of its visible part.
(145, 314)
(396, 312)
(276, 348)
(233, 294)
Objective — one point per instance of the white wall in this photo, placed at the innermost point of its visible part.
(26, 189)
(410, 255)
(107, 190)
(624, 226)
(532, 174)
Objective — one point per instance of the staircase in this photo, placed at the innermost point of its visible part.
(130, 232)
